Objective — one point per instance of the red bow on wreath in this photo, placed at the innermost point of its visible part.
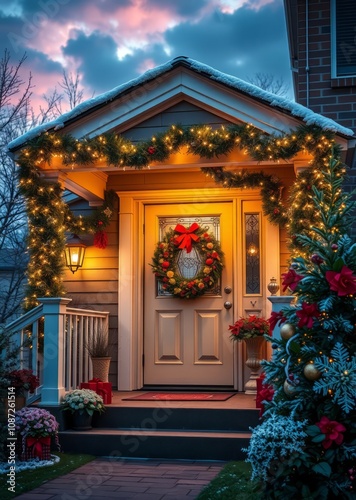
(186, 238)
(36, 444)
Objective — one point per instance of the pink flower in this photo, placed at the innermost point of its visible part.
(291, 280)
(306, 314)
(333, 431)
(344, 282)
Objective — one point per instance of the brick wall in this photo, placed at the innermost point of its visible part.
(331, 97)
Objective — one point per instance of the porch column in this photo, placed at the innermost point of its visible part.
(128, 275)
(54, 310)
(279, 303)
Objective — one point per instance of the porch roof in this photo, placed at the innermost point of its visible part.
(94, 104)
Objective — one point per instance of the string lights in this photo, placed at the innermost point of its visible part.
(49, 216)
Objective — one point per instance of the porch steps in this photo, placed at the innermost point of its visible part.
(164, 432)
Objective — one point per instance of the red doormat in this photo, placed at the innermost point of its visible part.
(182, 396)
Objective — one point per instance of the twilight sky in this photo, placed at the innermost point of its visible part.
(109, 42)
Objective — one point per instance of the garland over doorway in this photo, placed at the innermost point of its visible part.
(49, 217)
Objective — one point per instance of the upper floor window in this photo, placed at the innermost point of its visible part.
(343, 23)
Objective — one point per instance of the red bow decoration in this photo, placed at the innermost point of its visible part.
(36, 444)
(186, 238)
(100, 239)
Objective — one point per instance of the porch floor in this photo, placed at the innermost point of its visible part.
(238, 401)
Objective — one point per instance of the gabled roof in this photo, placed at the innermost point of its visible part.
(248, 89)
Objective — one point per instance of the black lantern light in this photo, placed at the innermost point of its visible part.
(74, 253)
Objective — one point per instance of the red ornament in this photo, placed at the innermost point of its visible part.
(101, 239)
(151, 150)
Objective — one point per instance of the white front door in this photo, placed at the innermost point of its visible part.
(186, 341)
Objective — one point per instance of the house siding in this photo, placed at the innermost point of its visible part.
(95, 286)
(334, 98)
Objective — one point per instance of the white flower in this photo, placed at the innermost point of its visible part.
(276, 438)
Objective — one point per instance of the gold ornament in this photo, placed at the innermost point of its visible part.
(288, 388)
(287, 331)
(311, 372)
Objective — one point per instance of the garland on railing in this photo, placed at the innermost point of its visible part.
(49, 217)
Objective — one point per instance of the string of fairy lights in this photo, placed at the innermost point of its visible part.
(50, 218)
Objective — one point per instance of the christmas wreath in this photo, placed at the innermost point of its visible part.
(168, 252)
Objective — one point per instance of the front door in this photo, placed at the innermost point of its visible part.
(186, 341)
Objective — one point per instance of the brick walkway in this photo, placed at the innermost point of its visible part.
(126, 479)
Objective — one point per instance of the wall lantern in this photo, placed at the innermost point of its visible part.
(74, 253)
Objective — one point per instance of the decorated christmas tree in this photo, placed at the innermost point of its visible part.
(305, 446)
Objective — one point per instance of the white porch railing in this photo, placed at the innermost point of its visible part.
(57, 353)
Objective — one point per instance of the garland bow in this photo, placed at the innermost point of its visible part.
(36, 445)
(187, 236)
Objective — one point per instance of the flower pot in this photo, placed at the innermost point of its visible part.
(101, 368)
(81, 421)
(254, 348)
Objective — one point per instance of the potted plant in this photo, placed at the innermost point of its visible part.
(23, 381)
(82, 403)
(98, 349)
(252, 331)
(36, 427)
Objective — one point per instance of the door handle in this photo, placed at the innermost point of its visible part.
(228, 305)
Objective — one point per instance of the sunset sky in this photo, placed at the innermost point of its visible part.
(109, 42)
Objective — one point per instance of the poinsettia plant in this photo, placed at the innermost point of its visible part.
(247, 328)
(23, 380)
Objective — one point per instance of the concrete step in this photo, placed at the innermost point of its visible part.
(167, 417)
(163, 432)
(168, 444)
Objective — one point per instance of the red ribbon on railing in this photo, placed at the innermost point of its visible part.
(36, 444)
(187, 236)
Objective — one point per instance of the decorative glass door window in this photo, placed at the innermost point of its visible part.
(252, 253)
(189, 264)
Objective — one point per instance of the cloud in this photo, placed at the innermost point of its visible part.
(241, 43)
(240, 37)
(183, 8)
(96, 56)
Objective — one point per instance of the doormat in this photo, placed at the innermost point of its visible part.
(181, 396)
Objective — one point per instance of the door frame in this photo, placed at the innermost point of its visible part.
(131, 275)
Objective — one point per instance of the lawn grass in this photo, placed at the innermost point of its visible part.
(27, 480)
(232, 483)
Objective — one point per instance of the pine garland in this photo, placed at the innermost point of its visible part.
(49, 217)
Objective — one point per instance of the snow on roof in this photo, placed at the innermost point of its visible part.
(308, 116)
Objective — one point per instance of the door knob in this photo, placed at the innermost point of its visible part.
(228, 305)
